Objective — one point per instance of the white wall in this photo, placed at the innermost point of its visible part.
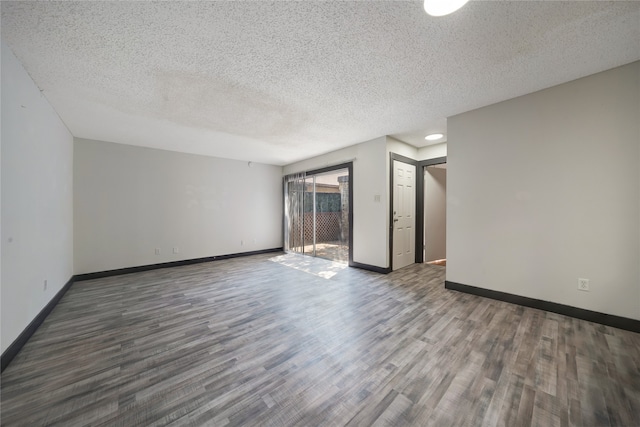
(130, 200)
(37, 200)
(369, 181)
(435, 213)
(432, 151)
(545, 188)
(401, 148)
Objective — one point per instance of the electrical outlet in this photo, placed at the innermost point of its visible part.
(176, 250)
(157, 251)
(583, 285)
(45, 284)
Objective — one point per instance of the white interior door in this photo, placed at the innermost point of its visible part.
(404, 214)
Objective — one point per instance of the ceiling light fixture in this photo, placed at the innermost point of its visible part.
(433, 137)
(442, 7)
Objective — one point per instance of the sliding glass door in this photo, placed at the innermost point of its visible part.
(317, 213)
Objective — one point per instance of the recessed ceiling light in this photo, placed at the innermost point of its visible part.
(433, 137)
(442, 7)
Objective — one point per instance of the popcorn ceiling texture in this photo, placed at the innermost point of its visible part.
(276, 82)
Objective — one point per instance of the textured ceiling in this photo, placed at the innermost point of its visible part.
(276, 82)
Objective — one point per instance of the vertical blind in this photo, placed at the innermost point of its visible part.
(294, 188)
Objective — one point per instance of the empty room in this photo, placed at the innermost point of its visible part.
(320, 213)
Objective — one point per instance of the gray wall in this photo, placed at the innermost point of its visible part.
(545, 188)
(129, 200)
(432, 151)
(37, 200)
(435, 213)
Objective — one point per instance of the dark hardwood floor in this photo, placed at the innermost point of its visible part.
(282, 341)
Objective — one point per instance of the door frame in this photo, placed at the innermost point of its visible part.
(420, 204)
(407, 160)
(419, 185)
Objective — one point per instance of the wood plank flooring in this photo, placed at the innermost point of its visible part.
(286, 341)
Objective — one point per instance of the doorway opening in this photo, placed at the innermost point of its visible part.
(435, 214)
(318, 216)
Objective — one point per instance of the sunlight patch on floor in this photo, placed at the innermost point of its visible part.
(316, 266)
